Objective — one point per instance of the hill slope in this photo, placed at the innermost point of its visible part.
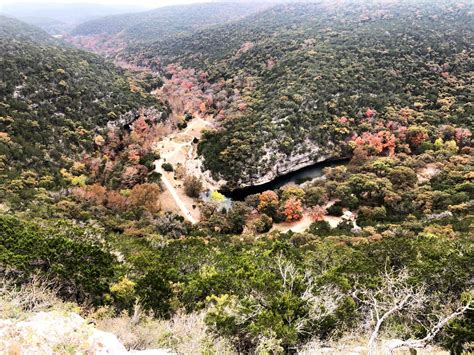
(13, 29)
(57, 18)
(303, 67)
(53, 99)
(114, 31)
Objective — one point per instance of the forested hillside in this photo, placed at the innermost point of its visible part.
(165, 22)
(58, 18)
(53, 102)
(13, 29)
(312, 73)
(373, 255)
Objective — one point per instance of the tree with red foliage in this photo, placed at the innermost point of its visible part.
(380, 142)
(343, 119)
(293, 210)
(370, 113)
(317, 213)
(462, 136)
(142, 132)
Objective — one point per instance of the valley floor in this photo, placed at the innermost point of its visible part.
(178, 149)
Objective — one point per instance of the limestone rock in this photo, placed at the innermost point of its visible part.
(55, 332)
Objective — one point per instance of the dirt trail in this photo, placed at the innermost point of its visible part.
(186, 212)
(178, 149)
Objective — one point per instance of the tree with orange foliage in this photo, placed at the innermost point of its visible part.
(134, 153)
(141, 130)
(293, 210)
(95, 193)
(359, 156)
(146, 196)
(116, 201)
(382, 141)
(267, 198)
(268, 203)
(99, 140)
(202, 107)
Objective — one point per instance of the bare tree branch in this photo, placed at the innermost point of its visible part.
(394, 295)
(421, 343)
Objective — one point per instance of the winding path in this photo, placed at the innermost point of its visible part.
(167, 158)
(174, 194)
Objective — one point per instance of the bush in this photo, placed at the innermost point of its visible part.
(167, 167)
(154, 177)
(321, 228)
(314, 196)
(148, 160)
(344, 227)
(368, 215)
(184, 333)
(258, 322)
(263, 224)
(252, 201)
(192, 186)
(66, 253)
(335, 210)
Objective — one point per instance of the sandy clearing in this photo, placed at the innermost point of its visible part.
(303, 224)
(178, 149)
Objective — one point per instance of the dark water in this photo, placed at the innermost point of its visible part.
(295, 177)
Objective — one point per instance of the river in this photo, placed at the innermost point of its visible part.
(296, 177)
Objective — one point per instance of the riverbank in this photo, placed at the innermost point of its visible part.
(297, 177)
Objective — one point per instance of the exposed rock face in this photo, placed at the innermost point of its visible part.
(279, 164)
(151, 114)
(53, 332)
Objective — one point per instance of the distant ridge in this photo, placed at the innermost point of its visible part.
(57, 18)
(165, 21)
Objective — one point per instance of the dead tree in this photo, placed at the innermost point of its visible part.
(394, 295)
(432, 332)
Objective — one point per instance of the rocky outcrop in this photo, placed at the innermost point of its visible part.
(152, 115)
(55, 332)
(280, 164)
